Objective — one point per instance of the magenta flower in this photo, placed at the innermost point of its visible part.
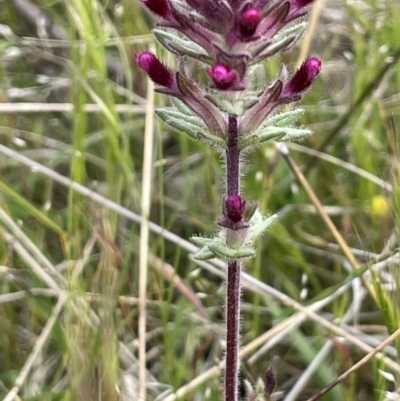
(249, 21)
(156, 70)
(159, 7)
(235, 207)
(223, 77)
(302, 78)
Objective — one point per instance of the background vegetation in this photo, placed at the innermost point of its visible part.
(73, 113)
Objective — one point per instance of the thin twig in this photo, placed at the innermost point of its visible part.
(29, 245)
(249, 282)
(166, 270)
(283, 149)
(309, 372)
(65, 108)
(375, 80)
(360, 363)
(310, 32)
(37, 349)
(18, 295)
(27, 257)
(342, 164)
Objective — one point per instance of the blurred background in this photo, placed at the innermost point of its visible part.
(73, 112)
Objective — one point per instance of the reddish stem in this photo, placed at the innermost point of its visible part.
(234, 271)
(232, 158)
(232, 330)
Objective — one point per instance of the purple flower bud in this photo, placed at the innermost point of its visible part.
(302, 78)
(223, 77)
(296, 9)
(159, 7)
(270, 381)
(249, 20)
(235, 206)
(156, 70)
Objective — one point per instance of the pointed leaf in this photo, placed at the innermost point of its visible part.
(179, 46)
(294, 134)
(282, 41)
(269, 133)
(204, 254)
(206, 136)
(230, 253)
(194, 98)
(258, 113)
(276, 46)
(282, 134)
(259, 226)
(182, 107)
(201, 241)
(249, 140)
(283, 119)
(190, 129)
(165, 114)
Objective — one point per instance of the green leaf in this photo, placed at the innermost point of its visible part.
(330, 290)
(190, 125)
(260, 224)
(269, 133)
(206, 136)
(283, 41)
(182, 107)
(283, 119)
(180, 125)
(282, 134)
(201, 241)
(294, 134)
(204, 254)
(247, 141)
(230, 253)
(165, 114)
(177, 45)
(38, 214)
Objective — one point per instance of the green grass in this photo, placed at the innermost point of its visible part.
(69, 262)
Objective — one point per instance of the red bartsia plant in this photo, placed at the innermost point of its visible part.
(231, 37)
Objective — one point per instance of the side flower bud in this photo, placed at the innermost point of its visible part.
(249, 21)
(158, 7)
(236, 212)
(235, 206)
(270, 381)
(156, 70)
(302, 78)
(222, 76)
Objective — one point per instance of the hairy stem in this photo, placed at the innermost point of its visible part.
(234, 271)
(232, 158)
(232, 330)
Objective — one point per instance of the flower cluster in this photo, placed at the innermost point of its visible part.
(229, 36)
